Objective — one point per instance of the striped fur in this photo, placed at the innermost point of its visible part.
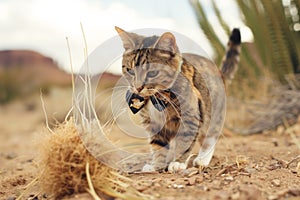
(153, 66)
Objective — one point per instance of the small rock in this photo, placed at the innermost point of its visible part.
(276, 182)
(192, 180)
(204, 188)
(157, 195)
(199, 179)
(249, 170)
(11, 198)
(273, 197)
(157, 185)
(142, 185)
(275, 142)
(229, 178)
(10, 156)
(207, 176)
(141, 188)
(19, 168)
(180, 186)
(175, 186)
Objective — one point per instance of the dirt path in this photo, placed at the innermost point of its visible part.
(252, 167)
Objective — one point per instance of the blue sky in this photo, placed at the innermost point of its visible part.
(43, 25)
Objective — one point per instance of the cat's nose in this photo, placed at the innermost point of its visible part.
(139, 85)
(139, 89)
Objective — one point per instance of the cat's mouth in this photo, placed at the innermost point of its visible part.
(136, 102)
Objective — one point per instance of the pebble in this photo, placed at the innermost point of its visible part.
(143, 185)
(276, 182)
(250, 170)
(19, 168)
(275, 142)
(157, 185)
(10, 156)
(11, 198)
(273, 197)
(192, 180)
(175, 186)
(199, 179)
(204, 188)
(229, 178)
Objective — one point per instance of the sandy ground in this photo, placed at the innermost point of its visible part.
(261, 166)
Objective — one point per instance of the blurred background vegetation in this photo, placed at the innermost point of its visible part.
(275, 52)
(265, 92)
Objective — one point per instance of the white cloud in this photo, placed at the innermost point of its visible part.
(43, 25)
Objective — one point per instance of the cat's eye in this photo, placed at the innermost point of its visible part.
(130, 71)
(152, 74)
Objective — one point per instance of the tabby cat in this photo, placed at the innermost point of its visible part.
(170, 92)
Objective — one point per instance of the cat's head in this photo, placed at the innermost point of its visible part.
(150, 64)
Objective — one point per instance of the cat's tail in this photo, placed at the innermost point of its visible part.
(230, 62)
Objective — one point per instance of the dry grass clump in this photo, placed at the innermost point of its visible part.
(66, 166)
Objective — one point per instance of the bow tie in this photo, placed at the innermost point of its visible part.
(136, 102)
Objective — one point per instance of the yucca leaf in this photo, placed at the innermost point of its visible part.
(208, 29)
(277, 45)
(220, 18)
(281, 63)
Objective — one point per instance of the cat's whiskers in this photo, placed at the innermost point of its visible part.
(108, 125)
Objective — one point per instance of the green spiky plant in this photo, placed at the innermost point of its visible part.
(276, 41)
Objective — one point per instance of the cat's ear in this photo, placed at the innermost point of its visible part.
(128, 42)
(166, 42)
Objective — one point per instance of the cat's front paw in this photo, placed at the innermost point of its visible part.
(175, 167)
(148, 168)
(203, 159)
(200, 162)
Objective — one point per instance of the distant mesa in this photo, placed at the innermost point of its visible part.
(33, 67)
(40, 69)
(23, 72)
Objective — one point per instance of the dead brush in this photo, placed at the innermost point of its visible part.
(66, 167)
(63, 161)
